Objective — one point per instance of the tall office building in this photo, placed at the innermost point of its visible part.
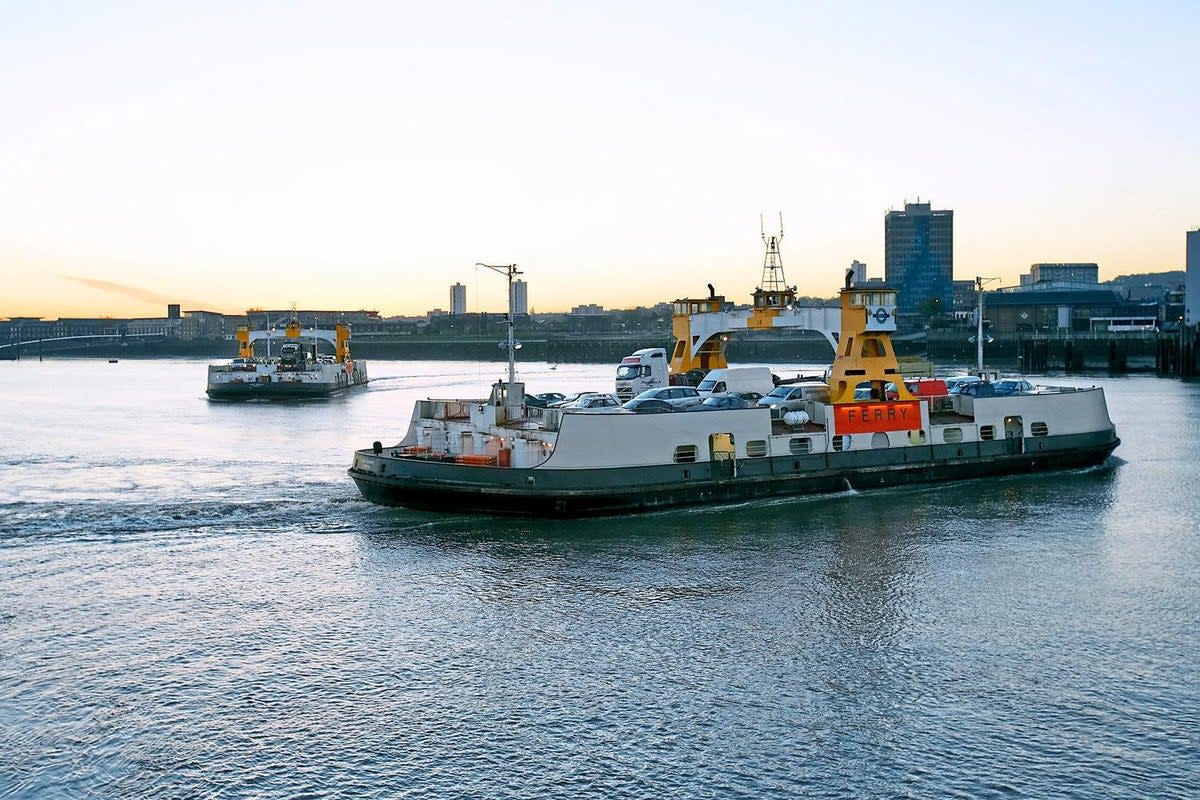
(919, 258)
(520, 297)
(860, 271)
(458, 299)
(1191, 297)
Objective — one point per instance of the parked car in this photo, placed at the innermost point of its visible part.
(976, 389)
(953, 384)
(551, 397)
(723, 402)
(593, 402)
(648, 405)
(570, 398)
(792, 397)
(1011, 386)
(678, 396)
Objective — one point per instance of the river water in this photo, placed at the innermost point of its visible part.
(195, 602)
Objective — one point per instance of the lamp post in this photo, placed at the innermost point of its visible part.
(510, 271)
(979, 282)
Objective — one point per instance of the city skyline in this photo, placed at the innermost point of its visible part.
(346, 156)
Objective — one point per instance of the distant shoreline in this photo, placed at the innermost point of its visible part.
(1116, 355)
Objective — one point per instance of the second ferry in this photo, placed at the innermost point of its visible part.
(299, 370)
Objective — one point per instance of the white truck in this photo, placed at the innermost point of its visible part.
(737, 379)
(644, 369)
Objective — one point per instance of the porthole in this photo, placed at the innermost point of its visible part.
(756, 448)
(800, 445)
(841, 443)
(1039, 429)
(879, 441)
(987, 432)
(685, 454)
(916, 437)
(952, 435)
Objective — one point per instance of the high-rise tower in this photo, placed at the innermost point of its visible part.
(1191, 289)
(520, 297)
(458, 299)
(919, 259)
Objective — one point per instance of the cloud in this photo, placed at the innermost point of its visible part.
(132, 292)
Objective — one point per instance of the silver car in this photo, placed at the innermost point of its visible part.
(678, 396)
(792, 397)
(593, 403)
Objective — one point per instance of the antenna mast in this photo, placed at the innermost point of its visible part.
(510, 271)
(773, 279)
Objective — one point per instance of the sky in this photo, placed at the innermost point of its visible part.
(347, 155)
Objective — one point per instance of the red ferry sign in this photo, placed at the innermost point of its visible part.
(871, 417)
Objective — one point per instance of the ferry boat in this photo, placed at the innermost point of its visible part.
(498, 454)
(298, 371)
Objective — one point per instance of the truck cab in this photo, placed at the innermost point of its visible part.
(643, 369)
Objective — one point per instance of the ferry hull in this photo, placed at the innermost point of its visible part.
(457, 487)
(275, 390)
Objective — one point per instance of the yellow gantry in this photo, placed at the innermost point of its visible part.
(339, 336)
(245, 347)
(342, 342)
(864, 351)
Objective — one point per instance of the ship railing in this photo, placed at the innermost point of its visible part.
(545, 418)
(446, 409)
(1056, 389)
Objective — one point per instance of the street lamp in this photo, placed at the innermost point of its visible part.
(979, 282)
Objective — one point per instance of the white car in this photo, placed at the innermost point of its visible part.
(593, 402)
(792, 397)
(678, 396)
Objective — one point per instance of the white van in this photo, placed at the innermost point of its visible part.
(737, 379)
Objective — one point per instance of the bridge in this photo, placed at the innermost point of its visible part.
(16, 347)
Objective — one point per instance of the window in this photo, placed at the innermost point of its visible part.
(879, 441)
(917, 437)
(800, 445)
(685, 454)
(952, 435)
(1039, 429)
(756, 448)
(987, 432)
(841, 443)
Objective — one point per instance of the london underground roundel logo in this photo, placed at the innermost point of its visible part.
(881, 315)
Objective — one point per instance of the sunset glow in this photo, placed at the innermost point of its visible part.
(346, 155)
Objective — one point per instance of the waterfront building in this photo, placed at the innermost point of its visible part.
(458, 299)
(919, 259)
(1064, 273)
(964, 296)
(1191, 298)
(520, 297)
(1026, 310)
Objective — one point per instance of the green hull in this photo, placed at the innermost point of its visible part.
(429, 485)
